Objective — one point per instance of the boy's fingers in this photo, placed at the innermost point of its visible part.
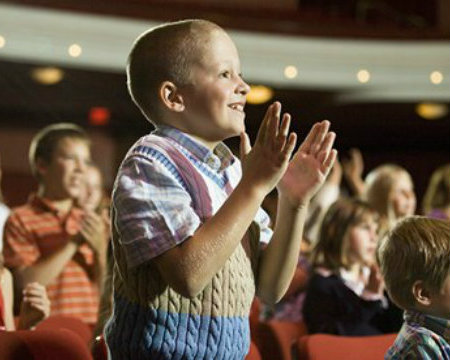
(32, 292)
(283, 132)
(317, 145)
(263, 127)
(329, 161)
(290, 146)
(307, 143)
(274, 124)
(40, 307)
(327, 143)
(244, 146)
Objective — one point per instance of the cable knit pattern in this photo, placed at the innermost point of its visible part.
(152, 321)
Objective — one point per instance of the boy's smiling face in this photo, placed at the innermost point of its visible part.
(215, 98)
(63, 176)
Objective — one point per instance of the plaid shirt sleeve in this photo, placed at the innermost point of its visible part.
(20, 248)
(412, 345)
(153, 210)
(263, 219)
(424, 349)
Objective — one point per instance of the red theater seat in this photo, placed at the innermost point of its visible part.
(42, 345)
(326, 347)
(58, 322)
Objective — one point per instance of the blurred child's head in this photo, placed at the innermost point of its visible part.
(390, 190)
(437, 195)
(92, 195)
(348, 235)
(1, 193)
(186, 74)
(414, 259)
(59, 155)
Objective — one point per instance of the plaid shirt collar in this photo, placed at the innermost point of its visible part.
(219, 159)
(438, 325)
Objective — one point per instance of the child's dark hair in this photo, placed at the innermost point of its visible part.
(344, 213)
(46, 140)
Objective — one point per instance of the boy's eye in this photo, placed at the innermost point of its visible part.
(225, 74)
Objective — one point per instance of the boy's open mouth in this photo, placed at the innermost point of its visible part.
(237, 106)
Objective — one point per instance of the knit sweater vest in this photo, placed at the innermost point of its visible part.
(151, 320)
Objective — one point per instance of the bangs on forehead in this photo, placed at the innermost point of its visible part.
(364, 213)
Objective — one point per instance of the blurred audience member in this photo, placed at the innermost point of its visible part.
(345, 292)
(4, 210)
(436, 201)
(415, 262)
(353, 171)
(93, 198)
(51, 241)
(35, 305)
(389, 189)
(326, 195)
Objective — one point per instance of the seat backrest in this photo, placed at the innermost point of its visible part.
(57, 322)
(325, 347)
(253, 353)
(12, 347)
(42, 345)
(275, 338)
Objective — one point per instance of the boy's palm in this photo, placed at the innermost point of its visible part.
(310, 165)
(265, 163)
(93, 230)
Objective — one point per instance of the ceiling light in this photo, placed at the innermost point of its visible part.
(431, 111)
(47, 75)
(259, 94)
(436, 77)
(290, 71)
(2, 41)
(363, 76)
(75, 50)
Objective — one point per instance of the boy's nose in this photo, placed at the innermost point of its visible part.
(81, 165)
(243, 87)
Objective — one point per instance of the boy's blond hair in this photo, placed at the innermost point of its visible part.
(379, 184)
(417, 248)
(44, 143)
(164, 53)
(437, 195)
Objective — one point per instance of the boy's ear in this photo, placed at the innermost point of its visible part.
(41, 166)
(421, 294)
(171, 96)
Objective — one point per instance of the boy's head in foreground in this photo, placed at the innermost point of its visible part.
(415, 262)
(187, 75)
(59, 156)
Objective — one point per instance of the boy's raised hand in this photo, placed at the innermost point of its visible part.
(265, 163)
(93, 231)
(310, 165)
(35, 305)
